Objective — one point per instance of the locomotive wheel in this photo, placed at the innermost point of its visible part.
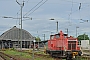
(51, 54)
(68, 58)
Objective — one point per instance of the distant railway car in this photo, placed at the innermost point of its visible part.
(60, 45)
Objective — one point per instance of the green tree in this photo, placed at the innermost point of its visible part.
(37, 39)
(83, 37)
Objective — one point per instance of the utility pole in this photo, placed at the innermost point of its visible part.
(84, 36)
(38, 40)
(44, 39)
(67, 31)
(57, 26)
(76, 31)
(21, 5)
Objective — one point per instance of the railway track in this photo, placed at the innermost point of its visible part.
(57, 58)
(1, 58)
(48, 56)
(6, 57)
(38, 55)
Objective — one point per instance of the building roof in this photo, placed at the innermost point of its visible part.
(14, 34)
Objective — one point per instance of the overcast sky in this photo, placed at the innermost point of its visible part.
(66, 12)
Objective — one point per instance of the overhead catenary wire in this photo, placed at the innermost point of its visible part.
(30, 9)
(18, 13)
(70, 13)
(64, 0)
(75, 2)
(79, 9)
(38, 7)
(33, 7)
(71, 9)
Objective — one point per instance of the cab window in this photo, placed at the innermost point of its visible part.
(52, 37)
(57, 36)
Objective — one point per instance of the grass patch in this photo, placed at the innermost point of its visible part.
(26, 55)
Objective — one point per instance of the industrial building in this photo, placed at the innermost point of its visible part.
(13, 38)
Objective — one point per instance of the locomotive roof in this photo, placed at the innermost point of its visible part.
(71, 38)
(59, 34)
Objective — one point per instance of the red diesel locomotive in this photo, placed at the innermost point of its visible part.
(63, 46)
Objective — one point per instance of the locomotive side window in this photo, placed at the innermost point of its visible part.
(52, 36)
(58, 35)
(65, 35)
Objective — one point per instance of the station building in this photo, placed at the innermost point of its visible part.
(13, 38)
